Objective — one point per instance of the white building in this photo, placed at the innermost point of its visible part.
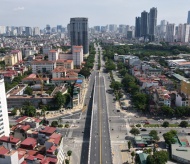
(52, 55)
(8, 156)
(36, 31)
(77, 55)
(4, 121)
(43, 66)
(183, 33)
(170, 32)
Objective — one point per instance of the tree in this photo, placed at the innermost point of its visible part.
(183, 124)
(29, 109)
(169, 137)
(85, 71)
(154, 134)
(28, 91)
(132, 154)
(54, 124)
(165, 124)
(167, 110)
(140, 101)
(66, 161)
(69, 153)
(129, 145)
(134, 131)
(59, 99)
(120, 65)
(159, 157)
(115, 85)
(147, 151)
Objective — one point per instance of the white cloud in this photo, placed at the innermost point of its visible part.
(19, 8)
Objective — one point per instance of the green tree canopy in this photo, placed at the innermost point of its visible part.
(169, 137)
(165, 124)
(159, 157)
(28, 91)
(154, 134)
(115, 85)
(183, 124)
(134, 131)
(29, 109)
(59, 99)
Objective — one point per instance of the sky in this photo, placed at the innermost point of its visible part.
(38, 13)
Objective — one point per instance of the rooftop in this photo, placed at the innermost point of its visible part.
(10, 139)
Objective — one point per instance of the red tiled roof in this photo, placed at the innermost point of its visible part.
(64, 79)
(10, 139)
(21, 119)
(56, 137)
(48, 130)
(20, 156)
(51, 149)
(29, 141)
(39, 156)
(3, 150)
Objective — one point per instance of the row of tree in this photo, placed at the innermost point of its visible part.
(89, 62)
(177, 111)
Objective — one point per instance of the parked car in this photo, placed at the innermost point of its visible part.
(147, 122)
(143, 130)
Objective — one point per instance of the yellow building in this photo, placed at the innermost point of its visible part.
(185, 87)
(11, 60)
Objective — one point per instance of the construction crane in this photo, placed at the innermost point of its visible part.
(42, 83)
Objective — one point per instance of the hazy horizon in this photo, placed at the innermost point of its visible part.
(99, 12)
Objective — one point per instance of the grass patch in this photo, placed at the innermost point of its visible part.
(151, 125)
(173, 125)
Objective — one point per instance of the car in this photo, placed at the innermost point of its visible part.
(143, 130)
(173, 118)
(118, 110)
(147, 122)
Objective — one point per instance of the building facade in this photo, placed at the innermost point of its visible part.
(4, 121)
(152, 23)
(79, 33)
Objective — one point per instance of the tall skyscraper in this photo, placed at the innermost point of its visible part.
(4, 120)
(152, 23)
(48, 29)
(144, 24)
(36, 31)
(188, 18)
(59, 28)
(79, 33)
(28, 31)
(138, 27)
(170, 32)
(112, 27)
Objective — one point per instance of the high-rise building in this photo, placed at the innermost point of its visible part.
(112, 27)
(4, 120)
(2, 29)
(48, 29)
(188, 18)
(36, 31)
(170, 32)
(28, 31)
(183, 33)
(59, 28)
(144, 24)
(79, 33)
(152, 23)
(122, 29)
(97, 28)
(138, 27)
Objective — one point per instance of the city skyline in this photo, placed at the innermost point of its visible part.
(40, 13)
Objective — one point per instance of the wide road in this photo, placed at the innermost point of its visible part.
(100, 148)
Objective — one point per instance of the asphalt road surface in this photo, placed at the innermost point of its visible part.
(100, 147)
